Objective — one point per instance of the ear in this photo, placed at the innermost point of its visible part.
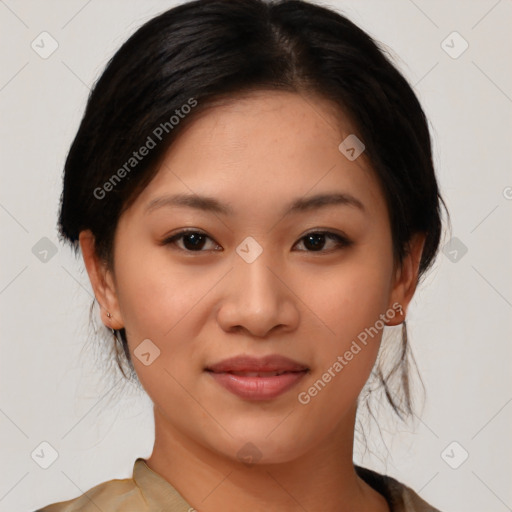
(102, 281)
(406, 278)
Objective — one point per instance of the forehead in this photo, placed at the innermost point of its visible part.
(264, 147)
(266, 124)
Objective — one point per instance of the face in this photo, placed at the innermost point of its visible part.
(256, 277)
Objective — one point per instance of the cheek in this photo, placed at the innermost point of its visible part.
(348, 298)
(343, 361)
(156, 309)
(153, 297)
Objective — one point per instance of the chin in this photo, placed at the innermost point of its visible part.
(255, 447)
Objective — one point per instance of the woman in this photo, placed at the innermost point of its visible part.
(253, 194)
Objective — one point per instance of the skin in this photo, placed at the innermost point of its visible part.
(257, 154)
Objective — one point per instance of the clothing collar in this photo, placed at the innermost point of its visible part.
(157, 492)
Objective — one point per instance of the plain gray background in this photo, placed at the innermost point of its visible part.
(54, 387)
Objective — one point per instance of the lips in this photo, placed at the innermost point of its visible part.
(257, 374)
(254, 378)
(265, 366)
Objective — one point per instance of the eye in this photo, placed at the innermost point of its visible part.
(193, 240)
(315, 241)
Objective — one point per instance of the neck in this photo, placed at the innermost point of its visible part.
(321, 478)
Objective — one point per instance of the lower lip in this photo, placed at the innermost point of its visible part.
(258, 388)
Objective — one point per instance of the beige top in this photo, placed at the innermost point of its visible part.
(147, 491)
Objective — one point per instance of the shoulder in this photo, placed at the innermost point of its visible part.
(145, 491)
(109, 495)
(400, 497)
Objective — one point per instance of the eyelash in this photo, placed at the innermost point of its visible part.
(342, 241)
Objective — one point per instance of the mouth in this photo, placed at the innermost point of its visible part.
(257, 374)
(257, 379)
(244, 364)
(258, 386)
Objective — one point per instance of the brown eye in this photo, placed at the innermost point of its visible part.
(316, 241)
(192, 241)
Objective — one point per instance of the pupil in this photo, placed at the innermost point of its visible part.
(196, 239)
(317, 241)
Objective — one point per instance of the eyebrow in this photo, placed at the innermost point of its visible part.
(210, 204)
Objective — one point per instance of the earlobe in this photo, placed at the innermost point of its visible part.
(406, 279)
(101, 282)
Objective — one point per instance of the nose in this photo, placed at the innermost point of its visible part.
(258, 299)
